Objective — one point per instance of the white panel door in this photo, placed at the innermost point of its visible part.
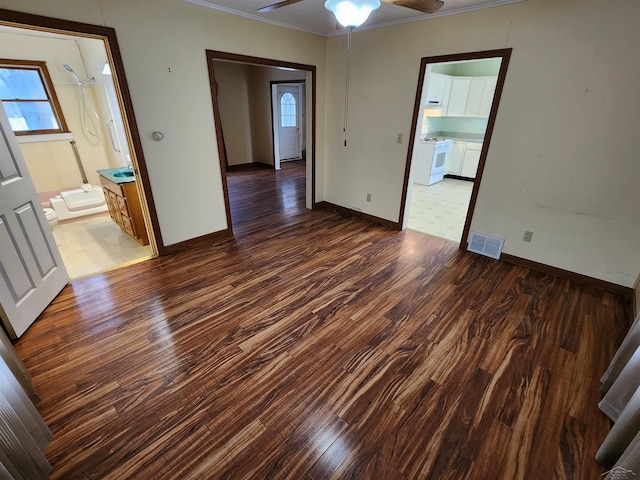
(289, 122)
(31, 269)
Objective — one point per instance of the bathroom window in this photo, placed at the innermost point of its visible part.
(288, 110)
(28, 97)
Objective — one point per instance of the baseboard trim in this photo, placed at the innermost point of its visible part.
(574, 277)
(459, 177)
(354, 213)
(196, 242)
(248, 166)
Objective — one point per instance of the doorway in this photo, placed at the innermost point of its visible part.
(88, 75)
(288, 110)
(454, 116)
(256, 148)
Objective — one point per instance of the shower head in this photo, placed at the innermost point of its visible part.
(69, 69)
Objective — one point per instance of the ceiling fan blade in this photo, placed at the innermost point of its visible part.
(424, 6)
(270, 8)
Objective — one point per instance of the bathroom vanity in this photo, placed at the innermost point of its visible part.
(119, 186)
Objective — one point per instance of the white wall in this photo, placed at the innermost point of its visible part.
(163, 45)
(563, 160)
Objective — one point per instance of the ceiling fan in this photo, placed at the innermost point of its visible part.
(424, 6)
(353, 13)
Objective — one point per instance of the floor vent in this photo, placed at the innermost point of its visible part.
(485, 245)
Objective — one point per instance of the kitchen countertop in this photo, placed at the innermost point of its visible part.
(118, 175)
(459, 136)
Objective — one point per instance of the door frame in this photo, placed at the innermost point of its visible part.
(275, 127)
(505, 55)
(213, 55)
(108, 36)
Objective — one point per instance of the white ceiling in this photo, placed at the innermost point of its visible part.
(311, 16)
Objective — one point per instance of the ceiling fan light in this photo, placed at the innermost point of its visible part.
(351, 13)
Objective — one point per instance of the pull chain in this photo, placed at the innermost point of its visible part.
(346, 89)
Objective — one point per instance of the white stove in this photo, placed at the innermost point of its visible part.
(431, 160)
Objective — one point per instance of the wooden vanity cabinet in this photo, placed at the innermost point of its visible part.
(124, 207)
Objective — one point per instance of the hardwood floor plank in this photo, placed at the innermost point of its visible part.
(569, 458)
(491, 451)
(548, 434)
(516, 462)
(453, 461)
(313, 345)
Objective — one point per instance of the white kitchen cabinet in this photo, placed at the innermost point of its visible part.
(458, 97)
(471, 96)
(474, 97)
(454, 161)
(471, 159)
(463, 159)
(487, 96)
(438, 90)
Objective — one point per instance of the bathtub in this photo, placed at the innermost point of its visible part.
(87, 200)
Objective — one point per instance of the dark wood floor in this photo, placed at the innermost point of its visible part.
(319, 346)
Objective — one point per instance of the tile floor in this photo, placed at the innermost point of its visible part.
(96, 244)
(440, 209)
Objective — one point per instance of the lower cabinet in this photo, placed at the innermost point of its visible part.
(463, 159)
(124, 207)
(454, 161)
(471, 160)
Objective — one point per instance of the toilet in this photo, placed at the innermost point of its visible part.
(52, 218)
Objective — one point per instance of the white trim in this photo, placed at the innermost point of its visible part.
(49, 137)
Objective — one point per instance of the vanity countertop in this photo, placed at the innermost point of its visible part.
(118, 175)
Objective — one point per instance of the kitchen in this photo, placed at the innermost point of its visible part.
(454, 111)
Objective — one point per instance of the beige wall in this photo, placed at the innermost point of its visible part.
(52, 164)
(562, 163)
(563, 160)
(244, 98)
(234, 97)
(262, 117)
(637, 295)
(163, 45)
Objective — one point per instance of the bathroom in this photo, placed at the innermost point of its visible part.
(59, 163)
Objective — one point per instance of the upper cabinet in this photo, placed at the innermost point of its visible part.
(474, 98)
(461, 96)
(438, 90)
(457, 104)
(487, 96)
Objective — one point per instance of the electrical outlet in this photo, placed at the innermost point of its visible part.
(400, 138)
(368, 197)
(528, 235)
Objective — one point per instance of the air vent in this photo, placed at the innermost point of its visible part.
(485, 245)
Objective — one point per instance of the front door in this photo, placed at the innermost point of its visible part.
(31, 269)
(289, 122)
